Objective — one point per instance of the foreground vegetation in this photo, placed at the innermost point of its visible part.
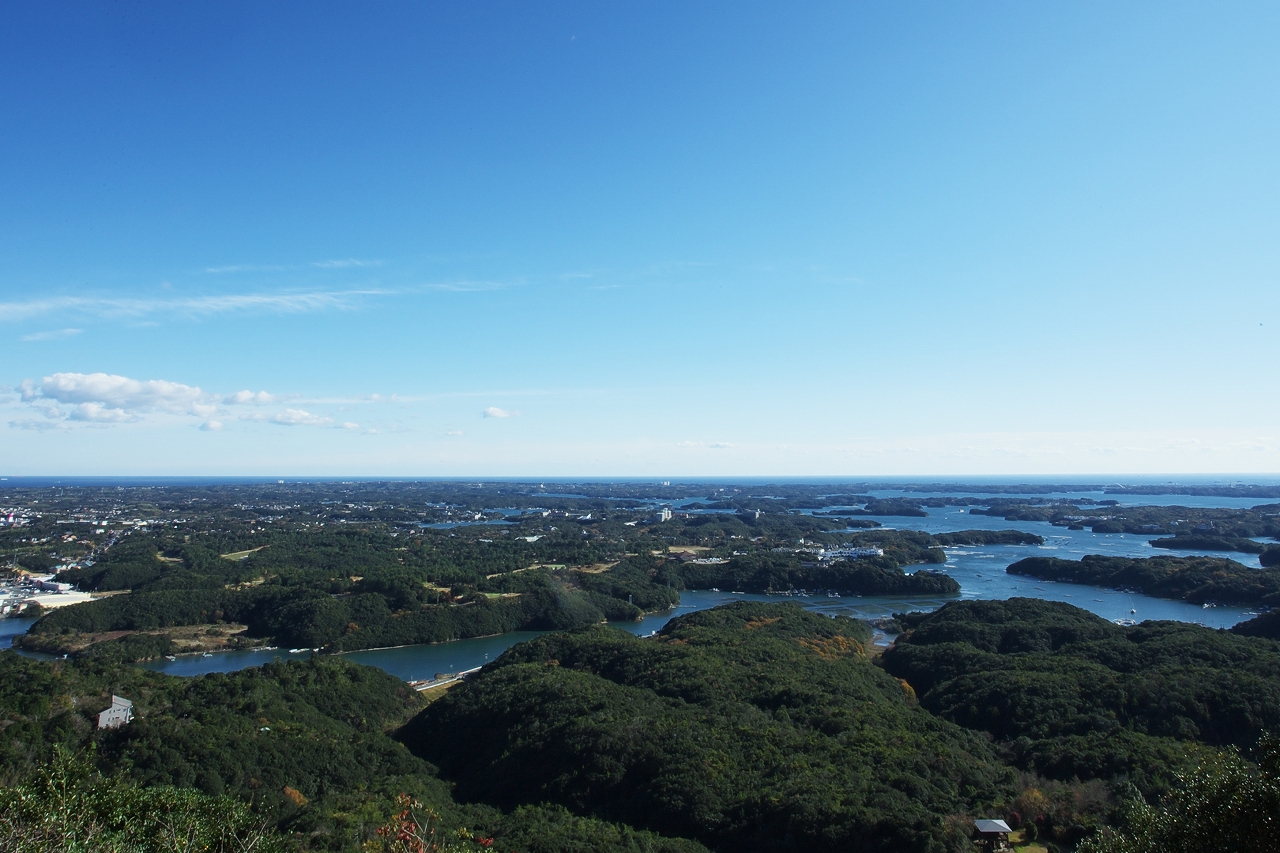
(1226, 805)
(760, 726)
(753, 726)
(295, 755)
(750, 726)
(1070, 695)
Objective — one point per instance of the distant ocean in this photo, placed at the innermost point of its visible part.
(946, 480)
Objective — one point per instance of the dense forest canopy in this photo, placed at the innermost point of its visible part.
(757, 725)
(303, 745)
(752, 725)
(1069, 694)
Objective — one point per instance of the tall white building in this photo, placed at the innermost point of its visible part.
(120, 712)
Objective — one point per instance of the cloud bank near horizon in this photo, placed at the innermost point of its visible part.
(65, 400)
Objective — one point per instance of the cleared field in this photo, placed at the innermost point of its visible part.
(597, 568)
(240, 555)
(527, 569)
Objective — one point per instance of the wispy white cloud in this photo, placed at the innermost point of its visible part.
(249, 398)
(98, 413)
(285, 302)
(290, 417)
(345, 263)
(104, 397)
(454, 432)
(280, 302)
(65, 399)
(469, 286)
(495, 412)
(54, 335)
(36, 424)
(238, 268)
(299, 417)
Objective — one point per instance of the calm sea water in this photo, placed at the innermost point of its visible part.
(980, 572)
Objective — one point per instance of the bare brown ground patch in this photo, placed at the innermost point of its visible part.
(186, 639)
(833, 648)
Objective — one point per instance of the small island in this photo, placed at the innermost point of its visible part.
(1200, 580)
(987, 537)
(1210, 542)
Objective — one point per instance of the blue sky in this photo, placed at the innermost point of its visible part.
(639, 239)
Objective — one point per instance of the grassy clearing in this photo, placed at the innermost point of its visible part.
(239, 555)
(1019, 843)
(526, 569)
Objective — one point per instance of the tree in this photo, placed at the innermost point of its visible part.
(69, 807)
(1224, 806)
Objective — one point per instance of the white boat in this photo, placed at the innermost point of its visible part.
(206, 655)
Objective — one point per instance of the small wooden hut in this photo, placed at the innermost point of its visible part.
(992, 835)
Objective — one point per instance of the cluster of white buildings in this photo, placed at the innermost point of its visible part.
(14, 517)
(830, 555)
(849, 553)
(18, 596)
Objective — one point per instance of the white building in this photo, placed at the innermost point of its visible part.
(120, 712)
(50, 585)
(849, 553)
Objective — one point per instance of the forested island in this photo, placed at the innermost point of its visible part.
(1188, 528)
(987, 537)
(1200, 580)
